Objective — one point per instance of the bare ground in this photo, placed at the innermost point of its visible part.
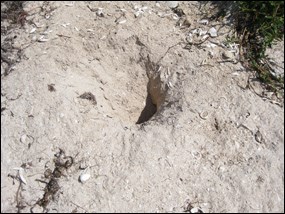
(163, 126)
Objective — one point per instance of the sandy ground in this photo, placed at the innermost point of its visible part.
(215, 143)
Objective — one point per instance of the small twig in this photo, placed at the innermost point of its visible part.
(78, 206)
(60, 35)
(41, 181)
(12, 99)
(17, 197)
(167, 51)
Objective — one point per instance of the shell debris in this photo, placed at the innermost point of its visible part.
(21, 176)
(84, 177)
(204, 115)
(213, 32)
(203, 21)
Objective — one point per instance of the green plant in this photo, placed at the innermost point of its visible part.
(259, 24)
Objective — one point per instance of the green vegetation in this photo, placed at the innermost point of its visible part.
(259, 24)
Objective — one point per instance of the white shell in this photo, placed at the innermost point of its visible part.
(202, 32)
(42, 39)
(137, 14)
(70, 5)
(22, 177)
(204, 115)
(213, 32)
(123, 21)
(33, 30)
(211, 45)
(204, 21)
(84, 177)
(20, 171)
(228, 55)
(100, 12)
(195, 210)
(172, 4)
(65, 24)
(23, 138)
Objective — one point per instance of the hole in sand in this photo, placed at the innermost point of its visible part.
(148, 111)
(132, 90)
(155, 92)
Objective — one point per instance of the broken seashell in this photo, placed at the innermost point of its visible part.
(123, 21)
(204, 21)
(169, 84)
(195, 31)
(33, 30)
(23, 138)
(23, 180)
(204, 115)
(46, 32)
(213, 32)
(137, 13)
(235, 73)
(211, 45)
(205, 37)
(172, 4)
(20, 172)
(175, 17)
(144, 8)
(100, 12)
(258, 137)
(42, 39)
(70, 5)
(202, 32)
(228, 55)
(84, 177)
(196, 210)
(65, 24)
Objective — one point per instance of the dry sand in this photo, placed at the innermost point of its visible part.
(215, 142)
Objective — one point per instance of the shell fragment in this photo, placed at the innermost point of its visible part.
(84, 177)
(204, 21)
(213, 32)
(20, 173)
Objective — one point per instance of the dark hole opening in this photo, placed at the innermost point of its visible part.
(148, 111)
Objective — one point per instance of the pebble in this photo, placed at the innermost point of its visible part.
(23, 138)
(228, 55)
(213, 32)
(172, 4)
(84, 177)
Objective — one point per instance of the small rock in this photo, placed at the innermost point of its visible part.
(213, 32)
(204, 115)
(37, 209)
(100, 12)
(172, 4)
(228, 55)
(84, 177)
(196, 210)
(23, 138)
(258, 137)
(204, 21)
(33, 30)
